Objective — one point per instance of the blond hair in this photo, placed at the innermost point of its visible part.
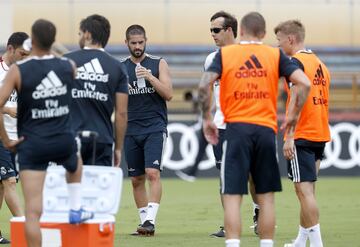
(292, 27)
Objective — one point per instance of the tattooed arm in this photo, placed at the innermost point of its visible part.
(205, 96)
(298, 96)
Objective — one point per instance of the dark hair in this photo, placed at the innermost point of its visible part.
(98, 26)
(43, 33)
(254, 24)
(294, 27)
(135, 30)
(230, 21)
(17, 39)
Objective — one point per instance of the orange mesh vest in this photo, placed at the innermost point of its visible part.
(313, 124)
(249, 84)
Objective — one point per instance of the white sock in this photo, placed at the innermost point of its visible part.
(266, 243)
(142, 214)
(255, 206)
(152, 209)
(302, 237)
(315, 236)
(74, 190)
(232, 243)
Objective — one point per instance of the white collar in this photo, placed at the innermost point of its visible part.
(248, 42)
(90, 48)
(304, 51)
(49, 56)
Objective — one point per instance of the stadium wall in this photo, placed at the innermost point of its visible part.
(342, 155)
(328, 22)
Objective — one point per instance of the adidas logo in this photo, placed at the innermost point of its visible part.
(92, 71)
(156, 162)
(319, 78)
(131, 169)
(50, 86)
(252, 68)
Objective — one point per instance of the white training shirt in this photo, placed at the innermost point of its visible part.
(9, 122)
(218, 116)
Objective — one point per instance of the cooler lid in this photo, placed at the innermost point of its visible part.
(101, 190)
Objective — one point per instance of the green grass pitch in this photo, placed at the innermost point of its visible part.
(189, 212)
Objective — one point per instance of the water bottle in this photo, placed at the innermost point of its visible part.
(140, 81)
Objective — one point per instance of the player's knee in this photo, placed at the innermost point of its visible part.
(138, 181)
(9, 182)
(152, 174)
(303, 191)
(33, 212)
(33, 215)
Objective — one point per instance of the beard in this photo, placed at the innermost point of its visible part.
(137, 53)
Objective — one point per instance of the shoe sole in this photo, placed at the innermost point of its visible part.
(145, 232)
(215, 236)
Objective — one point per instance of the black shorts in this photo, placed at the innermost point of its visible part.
(7, 163)
(103, 153)
(144, 151)
(303, 168)
(249, 149)
(218, 148)
(36, 154)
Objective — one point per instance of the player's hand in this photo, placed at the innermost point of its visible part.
(142, 72)
(289, 149)
(211, 132)
(11, 144)
(117, 158)
(11, 111)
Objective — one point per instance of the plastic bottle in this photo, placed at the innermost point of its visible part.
(140, 81)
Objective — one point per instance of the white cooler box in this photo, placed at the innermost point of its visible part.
(101, 192)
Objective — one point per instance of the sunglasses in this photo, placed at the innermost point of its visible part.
(216, 29)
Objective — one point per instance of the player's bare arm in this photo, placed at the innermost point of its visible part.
(121, 120)
(205, 89)
(301, 89)
(289, 146)
(205, 96)
(11, 82)
(163, 85)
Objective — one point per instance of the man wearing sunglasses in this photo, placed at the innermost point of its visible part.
(224, 31)
(249, 74)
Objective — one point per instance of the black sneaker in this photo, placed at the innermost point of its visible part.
(4, 240)
(219, 234)
(136, 233)
(146, 229)
(185, 176)
(255, 219)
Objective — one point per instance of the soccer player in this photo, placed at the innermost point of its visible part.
(146, 133)
(43, 85)
(304, 147)
(14, 52)
(249, 74)
(101, 84)
(224, 32)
